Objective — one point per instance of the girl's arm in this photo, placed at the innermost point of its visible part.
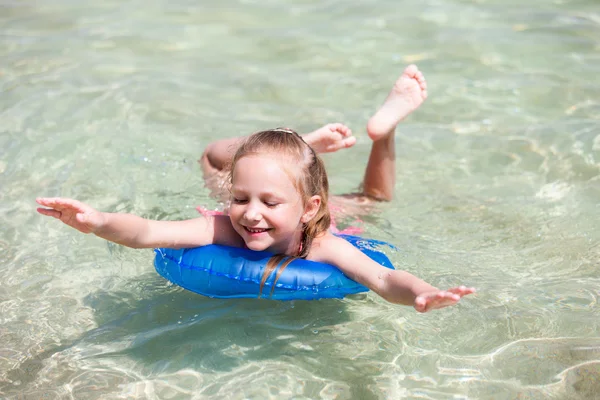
(393, 285)
(133, 231)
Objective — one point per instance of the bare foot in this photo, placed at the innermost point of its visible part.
(330, 138)
(408, 93)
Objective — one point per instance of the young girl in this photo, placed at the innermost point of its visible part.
(279, 201)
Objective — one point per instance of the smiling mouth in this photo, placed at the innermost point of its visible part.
(256, 230)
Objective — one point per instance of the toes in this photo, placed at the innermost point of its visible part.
(342, 144)
(341, 128)
(349, 142)
(411, 70)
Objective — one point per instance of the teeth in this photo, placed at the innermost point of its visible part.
(255, 230)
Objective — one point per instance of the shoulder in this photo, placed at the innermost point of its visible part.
(327, 248)
(224, 233)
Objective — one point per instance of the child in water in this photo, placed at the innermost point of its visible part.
(279, 198)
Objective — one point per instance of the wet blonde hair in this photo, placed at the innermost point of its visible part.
(308, 176)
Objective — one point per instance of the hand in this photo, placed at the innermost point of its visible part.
(439, 299)
(72, 212)
(330, 138)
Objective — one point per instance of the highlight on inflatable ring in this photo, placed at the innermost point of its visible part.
(233, 272)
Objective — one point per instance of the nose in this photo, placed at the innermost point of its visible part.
(252, 213)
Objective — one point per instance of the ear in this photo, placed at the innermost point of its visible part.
(312, 207)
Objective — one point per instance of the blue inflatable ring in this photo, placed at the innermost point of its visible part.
(233, 272)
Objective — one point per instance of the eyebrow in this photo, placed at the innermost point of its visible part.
(261, 194)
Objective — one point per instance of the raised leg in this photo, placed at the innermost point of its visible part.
(408, 93)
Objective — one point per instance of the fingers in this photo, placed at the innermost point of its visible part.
(60, 204)
(420, 304)
(45, 201)
(71, 212)
(61, 208)
(436, 300)
(425, 305)
(49, 212)
(82, 218)
(462, 290)
(57, 201)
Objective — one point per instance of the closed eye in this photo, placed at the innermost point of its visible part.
(239, 201)
(271, 204)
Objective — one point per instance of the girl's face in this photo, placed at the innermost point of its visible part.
(266, 209)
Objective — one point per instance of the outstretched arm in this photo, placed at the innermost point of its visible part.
(394, 286)
(133, 231)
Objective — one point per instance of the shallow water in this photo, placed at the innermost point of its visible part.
(498, 187)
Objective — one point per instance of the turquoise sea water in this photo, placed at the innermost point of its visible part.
(498, 187)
